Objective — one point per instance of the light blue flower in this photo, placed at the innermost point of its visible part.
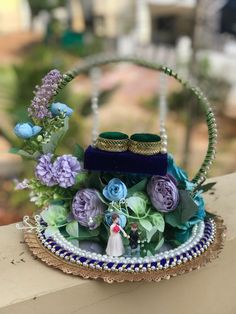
(115, 190)
(108, 219)
(57, 108)
(26, 130)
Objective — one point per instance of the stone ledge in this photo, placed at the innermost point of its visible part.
(29, 286)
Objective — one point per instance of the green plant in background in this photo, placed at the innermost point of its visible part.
(179, 100)
(215, 87)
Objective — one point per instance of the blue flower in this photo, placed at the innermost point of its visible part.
(184, 230)
(57, 108)
(115, 190)
(198, 199)
(26, 130)
(108, 219)
(179, 174)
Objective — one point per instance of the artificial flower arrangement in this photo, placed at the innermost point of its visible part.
(99, 214)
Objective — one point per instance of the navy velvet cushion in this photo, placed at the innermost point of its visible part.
(127, 162)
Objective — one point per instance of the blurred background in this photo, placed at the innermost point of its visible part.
(194, 37)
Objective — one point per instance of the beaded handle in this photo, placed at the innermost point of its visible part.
(99, 60)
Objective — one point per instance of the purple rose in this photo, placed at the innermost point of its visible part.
(163, 193)
(65, 169)
(87, 208)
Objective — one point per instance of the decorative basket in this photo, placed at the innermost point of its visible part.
(121, 210)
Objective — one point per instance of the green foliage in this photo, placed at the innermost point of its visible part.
(43, 195)
(24, 153)
(39, 5)
(186, 209)
(79, 152)
(158, 221)
(137, 203)
(91, 45)
(55, 138)
(206, 187)
(72, 228)
(216, 89)
(146, 224)
(81, 233)
(55, 215)
(140, 186)
(85, 107)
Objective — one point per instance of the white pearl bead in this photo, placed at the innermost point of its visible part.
(163, 150)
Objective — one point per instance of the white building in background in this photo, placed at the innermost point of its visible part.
(111, 18)
(15, 16)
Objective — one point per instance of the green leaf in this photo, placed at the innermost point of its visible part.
(210, 215)
(50, 231)
(137, 204)
(54, 215)
(72, 229)
(102, 198)
(94, 181)
(85, 233)
(24, 153)
(150, 233)
(81, 180)
(186, 209)
(139, 187)
(158, 221)
(14, 150)
(79, 152)
(145, 224)
(206, 187)
(160, 243)
(55, 138)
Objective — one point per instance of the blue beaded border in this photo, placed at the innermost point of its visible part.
(192, 252)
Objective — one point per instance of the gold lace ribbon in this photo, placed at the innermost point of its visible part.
(112, 145)
(144, 148)
(37, 248)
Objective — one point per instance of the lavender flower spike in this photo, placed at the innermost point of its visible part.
(39, 107)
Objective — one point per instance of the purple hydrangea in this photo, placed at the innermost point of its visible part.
(163, 193)
(87, 208)
(62, 171)
(44, 170)
(65, 169)
(39, 107)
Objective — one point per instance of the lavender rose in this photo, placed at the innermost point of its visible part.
(163, 193)
(65, 169)
(87, 208)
